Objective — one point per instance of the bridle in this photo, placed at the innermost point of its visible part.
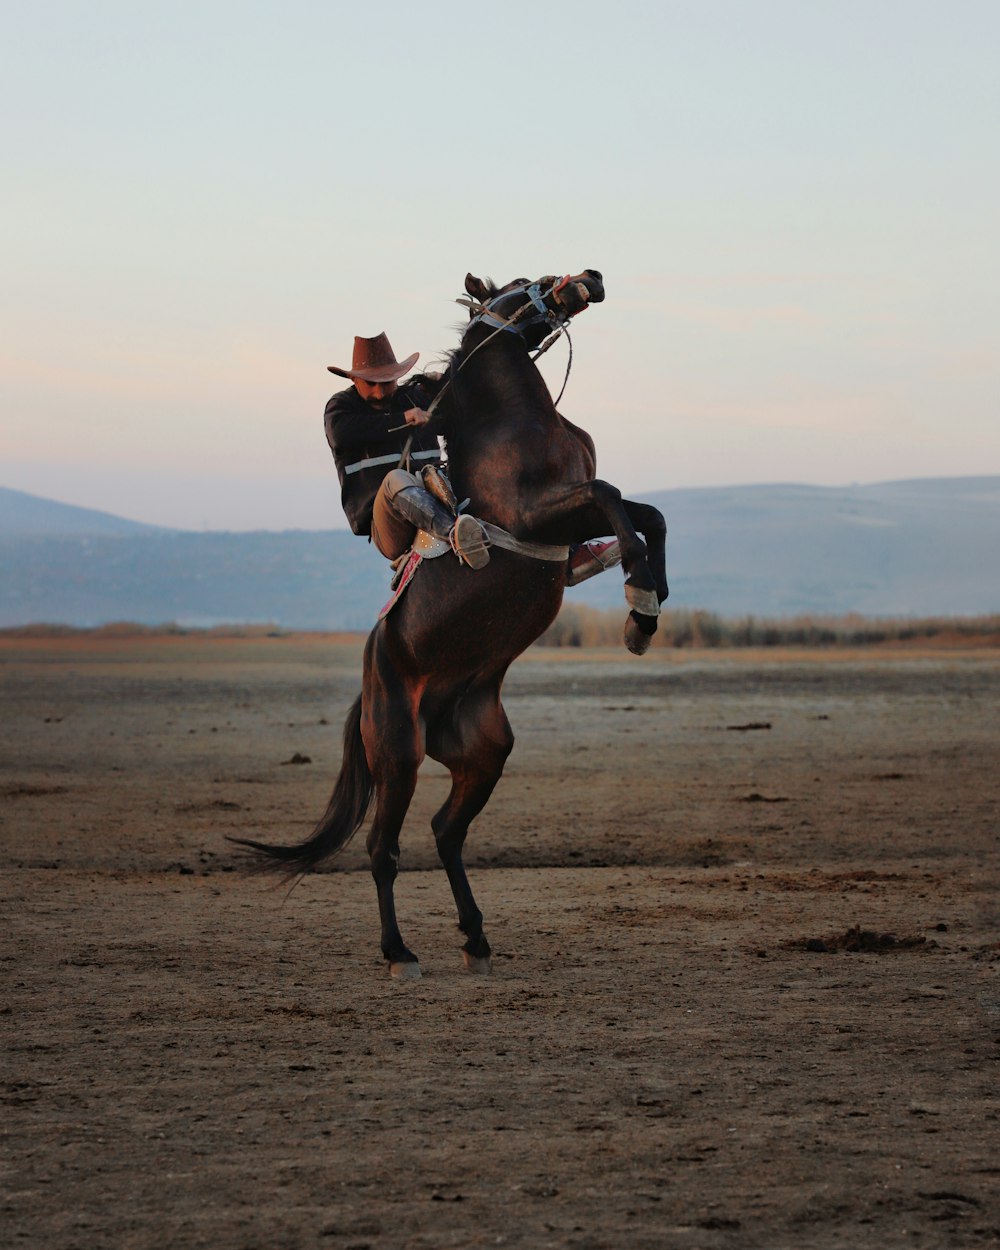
(517, 323)
(533, 313)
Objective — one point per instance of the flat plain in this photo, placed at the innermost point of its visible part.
(746, 990)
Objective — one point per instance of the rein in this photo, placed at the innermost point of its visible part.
(483, 313)
(534, 293)
(563, 329)
(537, 301)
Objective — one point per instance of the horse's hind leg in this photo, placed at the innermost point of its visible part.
(474, 745)
(395, 789)
(394, 745)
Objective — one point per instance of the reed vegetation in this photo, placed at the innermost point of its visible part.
(580, 626)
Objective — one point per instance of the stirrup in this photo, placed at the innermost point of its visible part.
(468, 541)
(437, 484)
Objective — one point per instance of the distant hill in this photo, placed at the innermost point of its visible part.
(29, 515)
(299, 579)
(915, 548)
(922, 547)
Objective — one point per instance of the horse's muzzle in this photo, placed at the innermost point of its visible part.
(576, 292)
(593, 280)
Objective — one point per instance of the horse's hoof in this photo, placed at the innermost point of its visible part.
(636, 639)
(480, 965)
(406, 970)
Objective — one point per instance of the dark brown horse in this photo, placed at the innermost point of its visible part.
(434, 667)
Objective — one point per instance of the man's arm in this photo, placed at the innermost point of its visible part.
(421, 390)
(347, 426)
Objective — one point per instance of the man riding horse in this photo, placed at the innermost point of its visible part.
(434, 667)
(369, 425)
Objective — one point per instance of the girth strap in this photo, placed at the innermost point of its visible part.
(537, 551)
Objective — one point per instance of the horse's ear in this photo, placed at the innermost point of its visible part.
(477, 288)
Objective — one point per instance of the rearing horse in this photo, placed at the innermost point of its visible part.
(434, 666)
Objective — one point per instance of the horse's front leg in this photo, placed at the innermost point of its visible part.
(587, 510)
(649, 522)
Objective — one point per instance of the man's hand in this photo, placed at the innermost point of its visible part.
(416, 416)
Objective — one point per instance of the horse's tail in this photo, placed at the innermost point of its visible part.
(348, 806)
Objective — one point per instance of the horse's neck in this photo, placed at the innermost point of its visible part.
(507, 405)
(507, 443)
(506, 376)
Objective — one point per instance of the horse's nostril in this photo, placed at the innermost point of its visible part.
(596, 273)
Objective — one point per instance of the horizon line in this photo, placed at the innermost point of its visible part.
(638, 495)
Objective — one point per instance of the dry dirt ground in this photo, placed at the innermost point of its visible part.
(675, 1048)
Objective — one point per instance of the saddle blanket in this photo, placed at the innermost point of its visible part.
(400, 582)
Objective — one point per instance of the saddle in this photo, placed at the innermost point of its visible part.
(596, 556)
(404, 568)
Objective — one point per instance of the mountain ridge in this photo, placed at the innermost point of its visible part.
(924, 546)
(24, 514)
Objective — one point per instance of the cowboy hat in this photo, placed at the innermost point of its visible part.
(375, 361)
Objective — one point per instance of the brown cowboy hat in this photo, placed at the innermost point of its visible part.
(375, 361)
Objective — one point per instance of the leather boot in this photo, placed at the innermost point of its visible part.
(591, 558)
(464, 533)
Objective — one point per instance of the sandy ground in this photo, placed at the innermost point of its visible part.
(672, 1050)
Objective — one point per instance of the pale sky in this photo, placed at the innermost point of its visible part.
(794, 204)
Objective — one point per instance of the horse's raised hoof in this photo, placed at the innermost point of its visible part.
(405, 970)
(639, 631)
(479, 965)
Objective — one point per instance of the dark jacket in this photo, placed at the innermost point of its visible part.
(365, 451)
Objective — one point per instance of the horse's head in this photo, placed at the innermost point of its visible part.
(533, 309)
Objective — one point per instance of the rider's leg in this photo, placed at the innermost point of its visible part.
(404, 494)
(592, 557)
(392, 534)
